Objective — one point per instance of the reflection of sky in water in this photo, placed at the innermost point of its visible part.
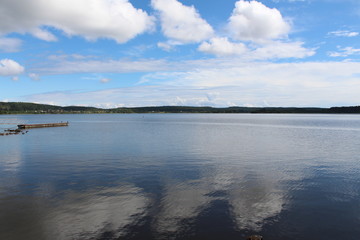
(11, 160)
(252, 200)
(75, 215)
(11, 153)
(89, 214)
(173, 168)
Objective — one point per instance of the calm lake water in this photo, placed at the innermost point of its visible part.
(182, 176)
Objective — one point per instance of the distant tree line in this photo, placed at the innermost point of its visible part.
(33, 108)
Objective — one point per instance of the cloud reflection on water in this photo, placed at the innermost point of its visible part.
(12, 161)
(89, 214)
(252, 200)
(11, 158)
(256, 191)
(170, 182)
(180, 202)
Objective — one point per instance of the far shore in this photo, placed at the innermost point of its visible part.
(33, 108)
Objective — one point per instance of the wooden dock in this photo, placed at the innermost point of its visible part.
(45, 125)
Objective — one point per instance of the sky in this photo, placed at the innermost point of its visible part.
(129, 53)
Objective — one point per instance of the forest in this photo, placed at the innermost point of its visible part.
(33, 108)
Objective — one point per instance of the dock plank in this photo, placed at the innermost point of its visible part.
(43, 125)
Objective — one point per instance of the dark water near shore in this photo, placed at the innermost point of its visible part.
(182, 176)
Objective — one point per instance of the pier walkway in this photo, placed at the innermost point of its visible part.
(27, 126)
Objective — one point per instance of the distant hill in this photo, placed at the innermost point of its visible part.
(353, 109)
(33, 108)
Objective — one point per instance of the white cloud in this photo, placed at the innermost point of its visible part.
(64, 57)
(263, 27)
(288, 84)
(10, 44)
(169, 45)
(344, 33)
(71, 64)
(345, 52)
(279, 50)
(92, 19)
(165, 46)
(34, 76)
(9, 67)
(253, 21)
(105, 80)
(181, 23)
(270, 50)
(43, 35)
(222, 47)
(234, 82)
(64, 65)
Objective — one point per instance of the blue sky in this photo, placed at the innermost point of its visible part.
(114, 53)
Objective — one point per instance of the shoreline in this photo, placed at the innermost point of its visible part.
(32, 108)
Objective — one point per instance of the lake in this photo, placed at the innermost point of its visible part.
(182, 176)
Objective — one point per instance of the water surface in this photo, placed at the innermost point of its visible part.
(182, 176)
